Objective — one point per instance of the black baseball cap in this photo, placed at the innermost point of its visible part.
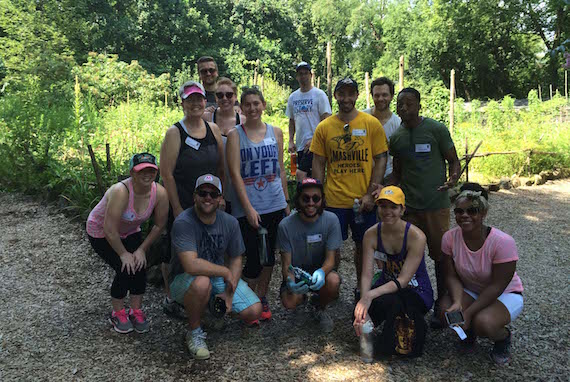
(303, 65)
(142, 160)
(347, 81)
(309, 182)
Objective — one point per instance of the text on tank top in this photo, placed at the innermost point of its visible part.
(196, 157)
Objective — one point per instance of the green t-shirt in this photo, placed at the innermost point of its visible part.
(420, 151)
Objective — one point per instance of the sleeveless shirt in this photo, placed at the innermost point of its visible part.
(261, 174)
(419, 283)
(196, 157)
(130, 221)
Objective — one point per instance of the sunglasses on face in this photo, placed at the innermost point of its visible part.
(207, 70)
(203, 194)
(471, 211)
(228, 95)
(307, 198)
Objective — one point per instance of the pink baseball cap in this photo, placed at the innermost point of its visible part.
(191, 87)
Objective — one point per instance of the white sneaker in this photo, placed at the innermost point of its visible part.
(325, 321)
(196, 342)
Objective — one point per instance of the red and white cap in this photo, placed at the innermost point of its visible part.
(191, 87)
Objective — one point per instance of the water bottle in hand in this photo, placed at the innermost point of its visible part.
(358, 218)
(367, 343)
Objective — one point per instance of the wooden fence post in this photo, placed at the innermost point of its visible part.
(261, 84)
(96, 170)
(550, 91)
(539, 93)
(452, 102)
(366, 79)
(401, 80)
(255, 72)
(165, 99)
(329, 72)
(319, 82)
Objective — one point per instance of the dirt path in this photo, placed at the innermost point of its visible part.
(54, 299)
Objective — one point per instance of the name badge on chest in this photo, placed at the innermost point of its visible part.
(192, 143)
(359, 132)
(423, 147)
(380, 256)
(316, 238)
(269, 141)
(129, 216)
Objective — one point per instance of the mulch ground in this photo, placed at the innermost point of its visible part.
(54, 304)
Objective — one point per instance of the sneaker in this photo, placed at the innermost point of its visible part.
(325, 321)
(120, 322)
(196, 343)
(434, 321)
(251, 324)
(139, 321)
(173, 309)
(265, 313)
(501, 353)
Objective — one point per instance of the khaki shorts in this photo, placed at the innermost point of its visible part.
(433, 223)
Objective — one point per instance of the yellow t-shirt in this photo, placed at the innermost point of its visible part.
(349, 154)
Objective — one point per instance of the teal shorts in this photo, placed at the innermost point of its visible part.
(244, 297)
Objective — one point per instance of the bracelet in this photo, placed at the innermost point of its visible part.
(397, 284)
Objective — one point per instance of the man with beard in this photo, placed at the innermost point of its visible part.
(353, 146)
(421, 147)
(308, 239)
(382, 90)
(202, 236)
(306, 107)
(208, 72)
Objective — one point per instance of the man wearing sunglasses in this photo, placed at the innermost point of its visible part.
(202, 236)
(208, 72)
(308, 239)
(306, 107)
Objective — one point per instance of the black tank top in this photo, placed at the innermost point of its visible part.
(238, 121)
(192, 163)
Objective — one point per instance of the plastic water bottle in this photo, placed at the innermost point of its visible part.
(367, 343)
(266, 257)
(358, 218)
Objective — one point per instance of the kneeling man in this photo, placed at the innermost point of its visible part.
(202, 236)
(308, 239)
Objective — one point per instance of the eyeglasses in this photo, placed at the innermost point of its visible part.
(208, 70)
(203, 194)
(221, 95)
(346, 127)
(307, 198)
(471, 211)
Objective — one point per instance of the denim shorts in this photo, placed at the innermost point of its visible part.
(244, 297)
(346, 218)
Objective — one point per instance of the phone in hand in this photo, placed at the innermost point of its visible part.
(454, 318)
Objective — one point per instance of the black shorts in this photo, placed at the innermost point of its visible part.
(305, 161)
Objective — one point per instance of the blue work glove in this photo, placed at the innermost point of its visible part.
(297, 288)
(318, 279)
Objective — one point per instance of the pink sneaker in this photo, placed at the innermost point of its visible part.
(121, 322)
(139, 321)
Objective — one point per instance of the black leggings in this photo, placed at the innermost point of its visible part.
(123, 282)
(253, 267)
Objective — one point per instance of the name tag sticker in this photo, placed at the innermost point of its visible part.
(269, 141)
(316, 238)
(359, 132)
(423, 147)
(192, 143)
(129, 216)
(380, 256)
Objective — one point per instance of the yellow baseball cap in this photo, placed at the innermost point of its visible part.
(393, 194)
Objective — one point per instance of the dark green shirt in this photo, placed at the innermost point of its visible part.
(420, 151)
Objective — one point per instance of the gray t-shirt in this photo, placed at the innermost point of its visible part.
(211, 241)
(307, 242)
(389, 128)
(306, 109)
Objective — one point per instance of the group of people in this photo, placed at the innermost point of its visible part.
(224, 196)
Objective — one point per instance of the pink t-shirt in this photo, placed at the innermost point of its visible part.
(474, 268)
(130, 221)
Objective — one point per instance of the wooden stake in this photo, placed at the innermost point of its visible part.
(312, 78)
(261, 84)
(96, 170)
(452, 102)
(108, 152)
(329, 72)
(551, 91)
(539, 92)
(367, 92)
(165, 98)
(401, 81)
(319, 82)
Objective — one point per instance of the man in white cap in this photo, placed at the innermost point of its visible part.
(306, 107)
(202, 236)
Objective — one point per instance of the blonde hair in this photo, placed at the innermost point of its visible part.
(227, 81)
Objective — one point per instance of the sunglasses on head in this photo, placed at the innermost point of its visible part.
(221, 95)
(203, 194)
(307, 198)
(207, 70)
(346, 127)
(471, 211)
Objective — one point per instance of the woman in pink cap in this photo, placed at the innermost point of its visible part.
(114, 230)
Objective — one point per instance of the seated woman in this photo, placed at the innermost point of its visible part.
(398, 248)
(480, 269)
(113, 228)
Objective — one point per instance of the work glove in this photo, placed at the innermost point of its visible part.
(297, 288)
(318, 279)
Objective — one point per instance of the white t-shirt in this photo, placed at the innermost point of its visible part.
(389, 128)
(306, 109)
